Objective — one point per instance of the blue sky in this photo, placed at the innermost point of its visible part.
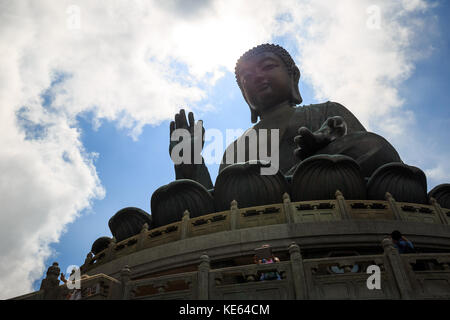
(87, 109)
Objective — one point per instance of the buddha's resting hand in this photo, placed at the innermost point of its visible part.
(196, 137)
(310, 142)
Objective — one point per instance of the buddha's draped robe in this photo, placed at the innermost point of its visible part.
(369, 150)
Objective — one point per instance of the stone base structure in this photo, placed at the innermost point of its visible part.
(324, 247)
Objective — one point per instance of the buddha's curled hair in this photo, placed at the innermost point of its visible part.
(267, 47)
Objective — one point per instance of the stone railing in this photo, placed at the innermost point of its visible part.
(173, 287)
(407, 276)
(429, 274)
(37, 295)
(100, 287)
(285, 212)
(96, 287)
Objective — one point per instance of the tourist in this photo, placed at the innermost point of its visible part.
(402, 244)
(267, 258)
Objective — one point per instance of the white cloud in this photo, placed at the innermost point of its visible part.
(123, 63)
(411, 5)
(350, 58)
(438, 173)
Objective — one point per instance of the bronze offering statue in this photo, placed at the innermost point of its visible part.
(50, 284)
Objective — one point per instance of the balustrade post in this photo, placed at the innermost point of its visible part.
(234, 215)
(398, 215)
(395, 265)
(87, 262)
(298, 272)
(288, 208)
(110, 252)
(142, 236)
(439, 210)
(203, 277)
(342, 205)
(125, 276)
(185, 224)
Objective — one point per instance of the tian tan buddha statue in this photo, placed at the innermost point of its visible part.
(322, 153)
(322, 147)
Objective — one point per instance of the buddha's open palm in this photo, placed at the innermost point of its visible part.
(197, 137)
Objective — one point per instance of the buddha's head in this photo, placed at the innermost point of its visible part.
(267, 76)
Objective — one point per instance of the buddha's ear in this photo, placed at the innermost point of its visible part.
(296, 98)
(253, 113)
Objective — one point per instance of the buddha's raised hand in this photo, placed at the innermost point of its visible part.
(196, 138)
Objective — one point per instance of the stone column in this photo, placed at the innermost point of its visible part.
(394, 264)
(203, 277)
(87, 262)
(288, 208)
(185, 224)
(142, 237)
(125, 276)
(110, 252)
(397, 214)
(439, 211)
(298, 272)
(234, 215)
(342, 206)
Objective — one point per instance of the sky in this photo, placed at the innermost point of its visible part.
(88, 89)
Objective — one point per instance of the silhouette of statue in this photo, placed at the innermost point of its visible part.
(268, 79)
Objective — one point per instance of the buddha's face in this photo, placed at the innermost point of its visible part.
(265, 81)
